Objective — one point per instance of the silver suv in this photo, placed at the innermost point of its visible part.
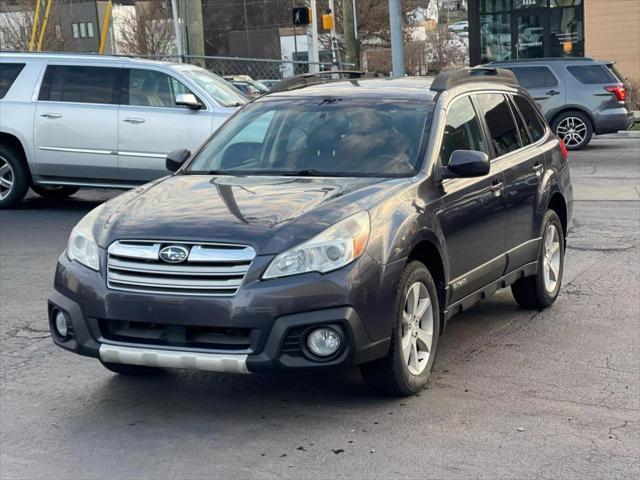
(72, 121)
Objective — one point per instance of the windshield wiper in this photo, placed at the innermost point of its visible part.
(307, 172)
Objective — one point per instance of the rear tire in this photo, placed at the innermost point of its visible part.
(14, 177)
(131, 370)
(54, 192)
(414, 337)
(574, 128)
(541, 290)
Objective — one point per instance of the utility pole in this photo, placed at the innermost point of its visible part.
(350, 32)
(191, 13)
(177, 28)
(397, 45)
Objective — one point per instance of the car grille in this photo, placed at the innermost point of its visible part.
(209, 270)
(184, 336)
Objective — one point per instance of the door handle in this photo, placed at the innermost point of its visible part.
(552, 93)
(134, 121)
(538, 168)
(50, 115)
(496, 188)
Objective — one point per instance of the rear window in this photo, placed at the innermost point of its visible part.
(66, 83)
(592, 74)
(531, 118)
(534, 77)
(8, 74)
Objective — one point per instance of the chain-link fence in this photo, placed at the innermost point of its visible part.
(256, 68)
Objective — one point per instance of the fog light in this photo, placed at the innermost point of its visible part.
(61, 326)
(323, 342)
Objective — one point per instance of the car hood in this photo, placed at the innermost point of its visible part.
(268, 213)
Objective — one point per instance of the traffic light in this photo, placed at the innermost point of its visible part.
(301, 16)
(327, 20)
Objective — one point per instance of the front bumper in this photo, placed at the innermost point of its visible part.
(356, 300)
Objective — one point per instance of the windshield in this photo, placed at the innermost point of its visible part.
(216, 87)
(322, 137)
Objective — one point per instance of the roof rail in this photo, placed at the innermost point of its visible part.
(544, 59)
(307, 79)
(458, 76)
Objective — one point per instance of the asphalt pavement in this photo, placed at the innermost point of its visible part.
(515, 393)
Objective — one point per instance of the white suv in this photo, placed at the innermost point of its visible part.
(71, 121)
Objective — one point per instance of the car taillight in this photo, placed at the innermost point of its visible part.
(618, 91)
(563, 149)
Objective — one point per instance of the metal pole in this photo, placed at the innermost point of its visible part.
(314, 54)
(44, 25)
(355, 20)
(36, 19)
(105, 28)
(397, 46)
(176, 27)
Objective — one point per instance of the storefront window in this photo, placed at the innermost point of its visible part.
(490, 6)
(495, 37)
(565, 3)
(567, 32)
(530, 3)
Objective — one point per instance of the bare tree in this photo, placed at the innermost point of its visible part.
(16, 24)
(147, 29)
(444, 49)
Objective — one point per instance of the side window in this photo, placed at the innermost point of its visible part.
(462, 130)
(534, 77)
(522, 129)
(502, 128)
(592, 74)
(8, 74)
(66, 83)
(531, 117)
(150, 88)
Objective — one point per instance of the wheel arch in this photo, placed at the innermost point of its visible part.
(15, 144)
(428, 253)
(558, 204)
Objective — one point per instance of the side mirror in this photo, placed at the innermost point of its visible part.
(467, 163)
(176, 159)
(188, 100)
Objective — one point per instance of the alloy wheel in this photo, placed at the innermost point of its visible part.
(417, 328)
(572, 131)
(551, 258)
(6, 178)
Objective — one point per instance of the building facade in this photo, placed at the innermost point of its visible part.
(520, 29)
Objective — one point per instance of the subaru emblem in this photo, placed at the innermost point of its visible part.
(174, 254)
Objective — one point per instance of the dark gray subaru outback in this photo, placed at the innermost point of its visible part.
(335, 222)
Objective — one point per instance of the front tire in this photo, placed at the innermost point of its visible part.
(540, 291)
(574, 128)
(54, 192)
(130, 370)
(14, 177)
(414, 337)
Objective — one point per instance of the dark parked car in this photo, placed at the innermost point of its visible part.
(338, 224)
(578, 96)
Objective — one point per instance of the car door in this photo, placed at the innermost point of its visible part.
(151, 125)
(473, 212)
(541, 83)
(522, 183)
(76, 121)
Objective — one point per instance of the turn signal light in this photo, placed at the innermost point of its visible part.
(618, 91)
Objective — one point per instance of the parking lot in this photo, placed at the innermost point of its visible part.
(516, 394)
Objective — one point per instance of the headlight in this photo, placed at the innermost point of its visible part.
(334, 248)
(82, 247)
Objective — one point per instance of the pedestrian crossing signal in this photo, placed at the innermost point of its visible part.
(301, 16)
